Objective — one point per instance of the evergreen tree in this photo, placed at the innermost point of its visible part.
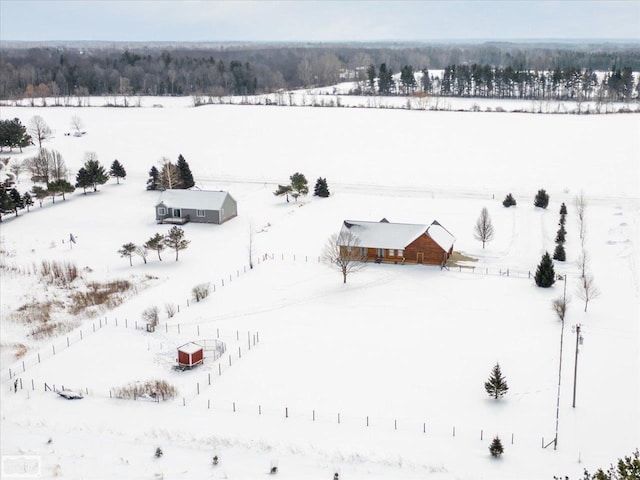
(283, 190)
(61, 187)
(299, 185)
(13, 134)
(96, 173)
(563, 209)
(40, 193)
(496, 386)
(6, 203)
(559, 253)
(496, 449)
(27, 200)
(321, 188)
(153, 183)
(542, 199)
(407, 79)
(83, 180)
(156, 243)
(563, 220)
(560, 236)
(117, 170)
(509, 201)
(127, 250)
(545, 274)
(16, 199)
(184, 172)
(175, 240)
(371, 78)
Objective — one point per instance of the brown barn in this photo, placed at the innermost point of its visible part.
(189, 355)
(384, 241)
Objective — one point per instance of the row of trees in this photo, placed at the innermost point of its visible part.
(487, 81)
(174, 240)
(40, 72)
(48, 168)
(171, 175)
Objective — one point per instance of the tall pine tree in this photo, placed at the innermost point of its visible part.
(153, 183)
(321, 188)
(496, 386)
(542, 199)
(545, 274)
(186, 178)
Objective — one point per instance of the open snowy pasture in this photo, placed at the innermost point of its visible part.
(311, 360)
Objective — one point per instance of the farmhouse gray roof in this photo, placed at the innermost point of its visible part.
(195, 199)
(384, 234)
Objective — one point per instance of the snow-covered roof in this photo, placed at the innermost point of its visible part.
(384, 234)
(190, 348)
(196, 199)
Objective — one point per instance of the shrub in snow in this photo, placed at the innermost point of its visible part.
(496, 386)
(321, 189)
(542, 199)
(509, 201)
(158, 453)
(496, 447)
(545, 274)
(201, 291)
(170, 308)
(154, 389)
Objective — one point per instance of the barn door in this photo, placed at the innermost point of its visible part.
(420, 257)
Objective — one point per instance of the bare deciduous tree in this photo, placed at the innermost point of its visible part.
(343, 252)
(483, 229)
(170, 308)
(76, 123)
(580, 203)
(583, 263)
(39, 130)
(169, 174)
(151, 315)
(16, 167)
(560, 306)
(587, 290)
(142, 252)
(57, 168)
(39, 167)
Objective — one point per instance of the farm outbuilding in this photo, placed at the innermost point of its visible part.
(190, 354)
(383, 241)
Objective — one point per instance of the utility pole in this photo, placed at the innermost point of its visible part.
(575, 371)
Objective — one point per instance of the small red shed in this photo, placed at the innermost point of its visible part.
(190, 354)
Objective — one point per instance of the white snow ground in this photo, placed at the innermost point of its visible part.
(409, 347)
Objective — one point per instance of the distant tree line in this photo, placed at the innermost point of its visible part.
(35, 71)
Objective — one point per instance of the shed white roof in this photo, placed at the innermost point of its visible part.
(385, 234)
(190, 348)
(195, 199)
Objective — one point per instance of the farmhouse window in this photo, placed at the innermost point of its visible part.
(363, 251)
(380, 252)
(162, 211)
(200, 213)
(391, 253)
(400, 253)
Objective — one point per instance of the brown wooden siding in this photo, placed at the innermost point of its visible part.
(422, 250)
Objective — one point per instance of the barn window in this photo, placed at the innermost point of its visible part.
(162, 211)
(200, 213)
(391, 253)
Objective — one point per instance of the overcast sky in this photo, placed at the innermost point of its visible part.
(326, 21)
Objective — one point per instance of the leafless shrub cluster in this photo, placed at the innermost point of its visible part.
(59, 273)
(21, 350)
(154, 389)
(109, 294)
(201, 291)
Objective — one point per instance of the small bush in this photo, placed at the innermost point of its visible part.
(542, 199)
(509, 201)
(559, 253)
(171, 309)
(201, 291)
(153, 389)
(496, 449)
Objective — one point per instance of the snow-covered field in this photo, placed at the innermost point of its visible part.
(406, 349)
